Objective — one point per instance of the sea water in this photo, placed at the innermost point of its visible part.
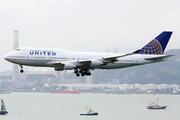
(49, 106)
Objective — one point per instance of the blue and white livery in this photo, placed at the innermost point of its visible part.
(83, 62)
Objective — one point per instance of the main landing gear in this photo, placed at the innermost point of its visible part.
(82, 72)
(21, 69)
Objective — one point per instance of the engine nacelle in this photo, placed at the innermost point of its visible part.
(59, 68)
(68, 66)
(96, 63)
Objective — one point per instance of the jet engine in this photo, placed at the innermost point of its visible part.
(96, 63)
(59, 68)
(68, 66)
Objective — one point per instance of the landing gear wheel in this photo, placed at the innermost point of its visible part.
(82, 74)
(88, 73)
(76, 71)
(80, 71)
(78, 75)
(21, 71)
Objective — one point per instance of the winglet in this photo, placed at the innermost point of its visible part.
(156, 46)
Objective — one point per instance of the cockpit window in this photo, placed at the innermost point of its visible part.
(17, 50)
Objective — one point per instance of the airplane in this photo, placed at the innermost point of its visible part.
(83, 62)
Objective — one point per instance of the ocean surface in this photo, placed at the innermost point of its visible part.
(48, 106)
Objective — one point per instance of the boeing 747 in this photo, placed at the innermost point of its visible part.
(83, 62)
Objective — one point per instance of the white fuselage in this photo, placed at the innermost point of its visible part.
(46, 57)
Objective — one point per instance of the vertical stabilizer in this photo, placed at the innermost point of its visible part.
(156, 46)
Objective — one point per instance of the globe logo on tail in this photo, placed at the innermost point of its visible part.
(153, 47)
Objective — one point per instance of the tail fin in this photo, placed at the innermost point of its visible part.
(156, 46)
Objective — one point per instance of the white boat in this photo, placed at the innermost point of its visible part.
(155, 105)
(90, 113)
(3, 108)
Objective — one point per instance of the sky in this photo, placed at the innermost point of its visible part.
(87, 25)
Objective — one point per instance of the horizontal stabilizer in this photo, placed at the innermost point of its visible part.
(159, 58)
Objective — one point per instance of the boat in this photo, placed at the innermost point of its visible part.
(155, 105)
(3, 108)
(71, 91)
(90, 113)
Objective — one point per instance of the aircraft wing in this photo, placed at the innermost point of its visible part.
(115, 57)
(87, 63)
(82, 62)
(159, 58)
(104, 60)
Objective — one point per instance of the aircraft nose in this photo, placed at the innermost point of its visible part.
(6, 57)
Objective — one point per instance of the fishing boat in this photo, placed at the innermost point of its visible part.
(90, 113)
(155, 105)
(3, 108)
(71, 91)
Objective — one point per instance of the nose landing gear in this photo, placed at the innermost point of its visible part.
(21, 69)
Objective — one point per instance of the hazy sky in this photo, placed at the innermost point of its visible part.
(87, 25)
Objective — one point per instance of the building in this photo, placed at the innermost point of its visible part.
(137, 86)
(124, 86)
(163, 86)
(89, 79)
(149, 87)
